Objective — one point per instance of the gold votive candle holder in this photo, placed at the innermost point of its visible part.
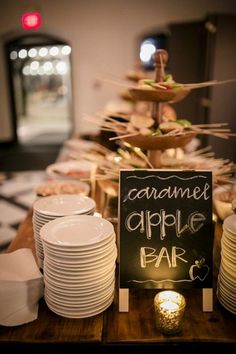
(169, 308)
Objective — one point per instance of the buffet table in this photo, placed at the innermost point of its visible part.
(113, 328)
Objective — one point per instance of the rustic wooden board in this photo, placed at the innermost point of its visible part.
(51, 328)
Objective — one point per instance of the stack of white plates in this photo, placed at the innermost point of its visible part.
(49, 208)
(79, 266)
(226, 287)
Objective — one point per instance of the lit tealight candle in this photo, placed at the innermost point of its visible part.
(169, 310)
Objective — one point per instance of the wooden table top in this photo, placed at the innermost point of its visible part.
(135, 327)
(49, 328)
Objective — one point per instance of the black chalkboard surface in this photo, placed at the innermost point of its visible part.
(166, 231)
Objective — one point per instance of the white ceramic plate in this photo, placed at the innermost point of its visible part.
(80, 314)
(85, 291)
(80, 278)
(230, 224)
(76, 230)
(91, 254)
(75, 266)
(81, 284)
(80, 298)
(63, 204)
(86, 261)
(83, 250)
(110, 240)
(78, 303)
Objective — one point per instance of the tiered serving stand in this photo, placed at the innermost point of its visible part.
(156, 144)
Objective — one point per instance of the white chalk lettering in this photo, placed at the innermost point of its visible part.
(176, 255)
(164, 223)
(196, 221)
(149, 223)
(175, 192)
(151, 255)
(163, 254)
(178, 229)
(145, 221)
(132, 217)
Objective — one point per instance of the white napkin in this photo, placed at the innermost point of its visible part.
(21, 287)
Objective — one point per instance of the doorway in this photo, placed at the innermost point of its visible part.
(40, 89)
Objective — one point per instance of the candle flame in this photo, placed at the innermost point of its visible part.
(169, 306)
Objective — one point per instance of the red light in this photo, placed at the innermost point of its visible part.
(31, 20)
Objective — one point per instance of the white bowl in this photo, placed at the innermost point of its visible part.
(222, 199)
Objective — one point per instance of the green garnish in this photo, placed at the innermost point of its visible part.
(169, 78)
(157, 132)
(148, 81)
(184, 122)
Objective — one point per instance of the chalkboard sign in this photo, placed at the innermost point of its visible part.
(166, 231)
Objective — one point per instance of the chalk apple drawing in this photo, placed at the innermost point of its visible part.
(199, 270)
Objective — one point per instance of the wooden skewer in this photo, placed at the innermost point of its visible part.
(113, 82)
(224, 180)
(110, 130)
(103, 177)
(100, 121)
(105, 126)
(107, 170)
(201, 151)
(223, 130)
(206, 154)
(209, 132)
(208, 83)
(211, 125)
(231, 134)
(143, 156)
(109, 113)
(124, 136)
(116, 122)
(200, 84)
(115, 126)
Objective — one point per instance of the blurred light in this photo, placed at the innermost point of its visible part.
(33, 72)
(31, 20)
(41, 70)
(34, 65)
(32, 53)
(48, 68)
(117, 159)
(13, 55)
(146, 51)
(61, 67)
(66, 50)
(43, 52)
(54, 51)
(22, 53)
(26, 70)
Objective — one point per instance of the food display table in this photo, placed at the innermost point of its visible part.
(135, 328)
